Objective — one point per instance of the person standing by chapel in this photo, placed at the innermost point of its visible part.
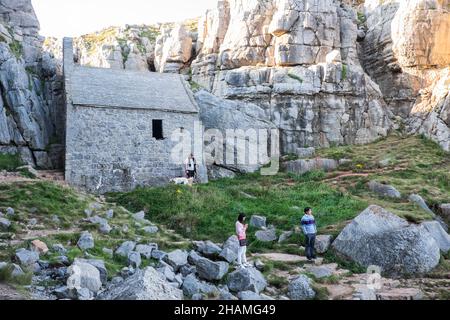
(190, 166)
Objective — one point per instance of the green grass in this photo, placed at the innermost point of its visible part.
(48, 198)
(16, 48)
(209, 211)
(10, 162)
(295, 77)
(344, 71)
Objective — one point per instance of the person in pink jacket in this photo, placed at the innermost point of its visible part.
(241, 230)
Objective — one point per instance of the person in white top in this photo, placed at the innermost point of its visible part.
(190, 166)
(241, 230)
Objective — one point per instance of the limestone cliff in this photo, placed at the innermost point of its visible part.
(31, 104)
(406, 50)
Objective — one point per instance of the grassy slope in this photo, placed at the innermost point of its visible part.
(209, 211)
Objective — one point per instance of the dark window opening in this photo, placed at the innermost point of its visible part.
(157, 126)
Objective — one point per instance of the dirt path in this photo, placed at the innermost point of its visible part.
(9, 293)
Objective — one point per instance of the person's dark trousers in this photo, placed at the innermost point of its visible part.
(310, 241)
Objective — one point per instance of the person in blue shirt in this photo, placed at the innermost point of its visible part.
(309, 230)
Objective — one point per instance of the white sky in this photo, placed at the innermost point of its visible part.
(59, 18)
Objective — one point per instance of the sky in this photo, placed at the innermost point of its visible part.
(60, 18)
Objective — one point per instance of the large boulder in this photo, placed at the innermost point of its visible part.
(439, 234)
(83, 275)
(300, 289)
(147, 284)
(211, 270)
(248, 279)
(378, 237)
(384, 190)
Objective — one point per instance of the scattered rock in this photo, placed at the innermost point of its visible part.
(232, 243)
(285, 235)
(249, 295)
(145, 250)
(197, 297)
(228, 255)
(61, 293)
(158, 254)
(258, 222)
(400, 294)
(445, 208)
(105, 228)
(187, 270)
(134, 259)
(150, 229)
(259, 265)
(125, 248)
(86, 241)
(192, 286)
(438, 233)
(176, 259)
(378, 237)
(216, 172)
(248, 279)
(246, 195)
(207, 248)
(55, 219)
(320, 271)
(16, 271)
(95, 206)
(140, 216)
(109, 214)
(266, 235)
(210, 270)
(300, 289)
(10, 212)
(384, 190)
(302, 166)
(87, 212)
(417, 199)
(26, 258)
(384, 163)
(39, 246)
(305, 152)
(193, 257)
(323, 243)
(32, 222)
(168, 273)
(83, 275)
(99, 265)
(147, 284)
(5, 224)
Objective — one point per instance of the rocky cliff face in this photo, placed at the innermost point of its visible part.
(31, 104)
(406, 50)
(297, 60)
(324, 72)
